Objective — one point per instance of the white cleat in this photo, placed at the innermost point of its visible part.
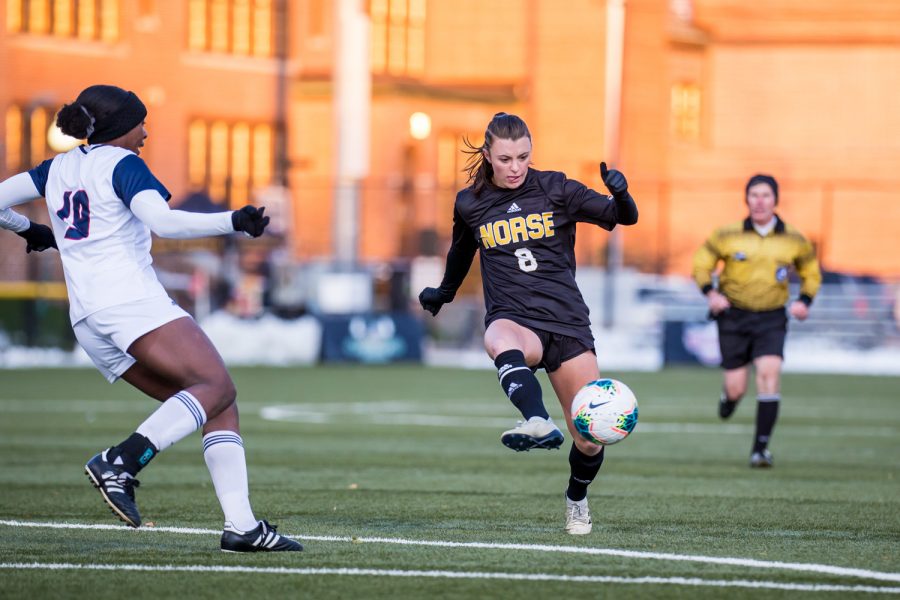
(536, 432)
(578, 517)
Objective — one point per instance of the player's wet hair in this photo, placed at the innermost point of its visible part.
(101, 113)
(762, 178)
(502, 126)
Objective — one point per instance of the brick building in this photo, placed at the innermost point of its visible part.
(240, 95)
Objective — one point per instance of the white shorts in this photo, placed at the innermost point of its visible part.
(107, 334)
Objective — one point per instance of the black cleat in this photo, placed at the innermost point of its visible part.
(762, 460)
(726, 407)
(116, 485)
(261, 539)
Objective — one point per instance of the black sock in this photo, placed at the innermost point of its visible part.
(766, 414)
(520, 384)
(134, 453)
(583, 470)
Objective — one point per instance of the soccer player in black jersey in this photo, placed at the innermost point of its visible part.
(523, 222)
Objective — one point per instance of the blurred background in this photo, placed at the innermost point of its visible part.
(345, 118)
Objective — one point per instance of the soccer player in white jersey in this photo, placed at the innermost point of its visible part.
(103, 203)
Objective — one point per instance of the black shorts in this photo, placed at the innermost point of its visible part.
(559, 348)
(746, 335)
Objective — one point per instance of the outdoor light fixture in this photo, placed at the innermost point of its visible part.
(419, 125)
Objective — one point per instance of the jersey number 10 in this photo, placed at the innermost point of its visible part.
(76, 205)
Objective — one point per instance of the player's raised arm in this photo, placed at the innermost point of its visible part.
(589, 206)
(615, 182)
(154, 211)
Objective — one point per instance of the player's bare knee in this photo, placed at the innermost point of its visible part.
(585, 447)
(496, 346)
(735, 392)
(223, 390)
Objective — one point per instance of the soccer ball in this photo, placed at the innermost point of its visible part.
(605, 411)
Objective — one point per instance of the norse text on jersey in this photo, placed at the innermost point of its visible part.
(517, 229)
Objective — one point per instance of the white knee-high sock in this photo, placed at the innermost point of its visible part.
(178, 417)
(224, 455)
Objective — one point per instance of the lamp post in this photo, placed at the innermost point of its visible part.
(352, 111)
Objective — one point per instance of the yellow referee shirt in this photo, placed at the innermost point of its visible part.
(755, 272)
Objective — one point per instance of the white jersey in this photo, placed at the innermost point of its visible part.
(105, 249)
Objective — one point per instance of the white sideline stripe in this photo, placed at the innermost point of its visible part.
(409, 413)
(740, 562)
(686, 581)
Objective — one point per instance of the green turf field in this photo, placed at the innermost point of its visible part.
(395, 480)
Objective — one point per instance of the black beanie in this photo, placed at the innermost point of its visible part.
(130, 114)
(760, 178)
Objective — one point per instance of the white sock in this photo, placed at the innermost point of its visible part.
(178, 417)
(224, 455)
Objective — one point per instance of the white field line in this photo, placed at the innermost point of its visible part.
(470, 413)
(467, 415)
(740, 562)
(435, 574)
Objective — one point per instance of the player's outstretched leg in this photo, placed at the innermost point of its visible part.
(524, 390)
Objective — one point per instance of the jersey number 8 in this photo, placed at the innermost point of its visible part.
(527, 262)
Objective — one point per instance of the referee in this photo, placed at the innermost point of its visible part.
(749, 304)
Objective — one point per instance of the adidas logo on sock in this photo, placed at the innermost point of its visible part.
(513, 208)
(512, 388)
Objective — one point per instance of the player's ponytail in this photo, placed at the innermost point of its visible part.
(478, 168)
(75, 120)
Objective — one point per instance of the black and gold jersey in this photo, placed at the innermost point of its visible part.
(526, 239)
(756, 268)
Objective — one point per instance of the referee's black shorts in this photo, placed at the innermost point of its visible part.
(745, 335)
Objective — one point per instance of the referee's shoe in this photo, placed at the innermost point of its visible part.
(726, 407)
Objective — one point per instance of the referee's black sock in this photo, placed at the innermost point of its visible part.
(520, 385)
(766, 415)
(583, 470)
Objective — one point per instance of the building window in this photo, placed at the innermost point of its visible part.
(230, 160)
(241, 27)
(686, 111)
(81, 19)
(26, 136)
(398, 37)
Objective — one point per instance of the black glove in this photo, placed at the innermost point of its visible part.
(432, 299)
(614, 180)
(39, 238)
(250, 220)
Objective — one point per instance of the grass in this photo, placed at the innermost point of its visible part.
(356, 453)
